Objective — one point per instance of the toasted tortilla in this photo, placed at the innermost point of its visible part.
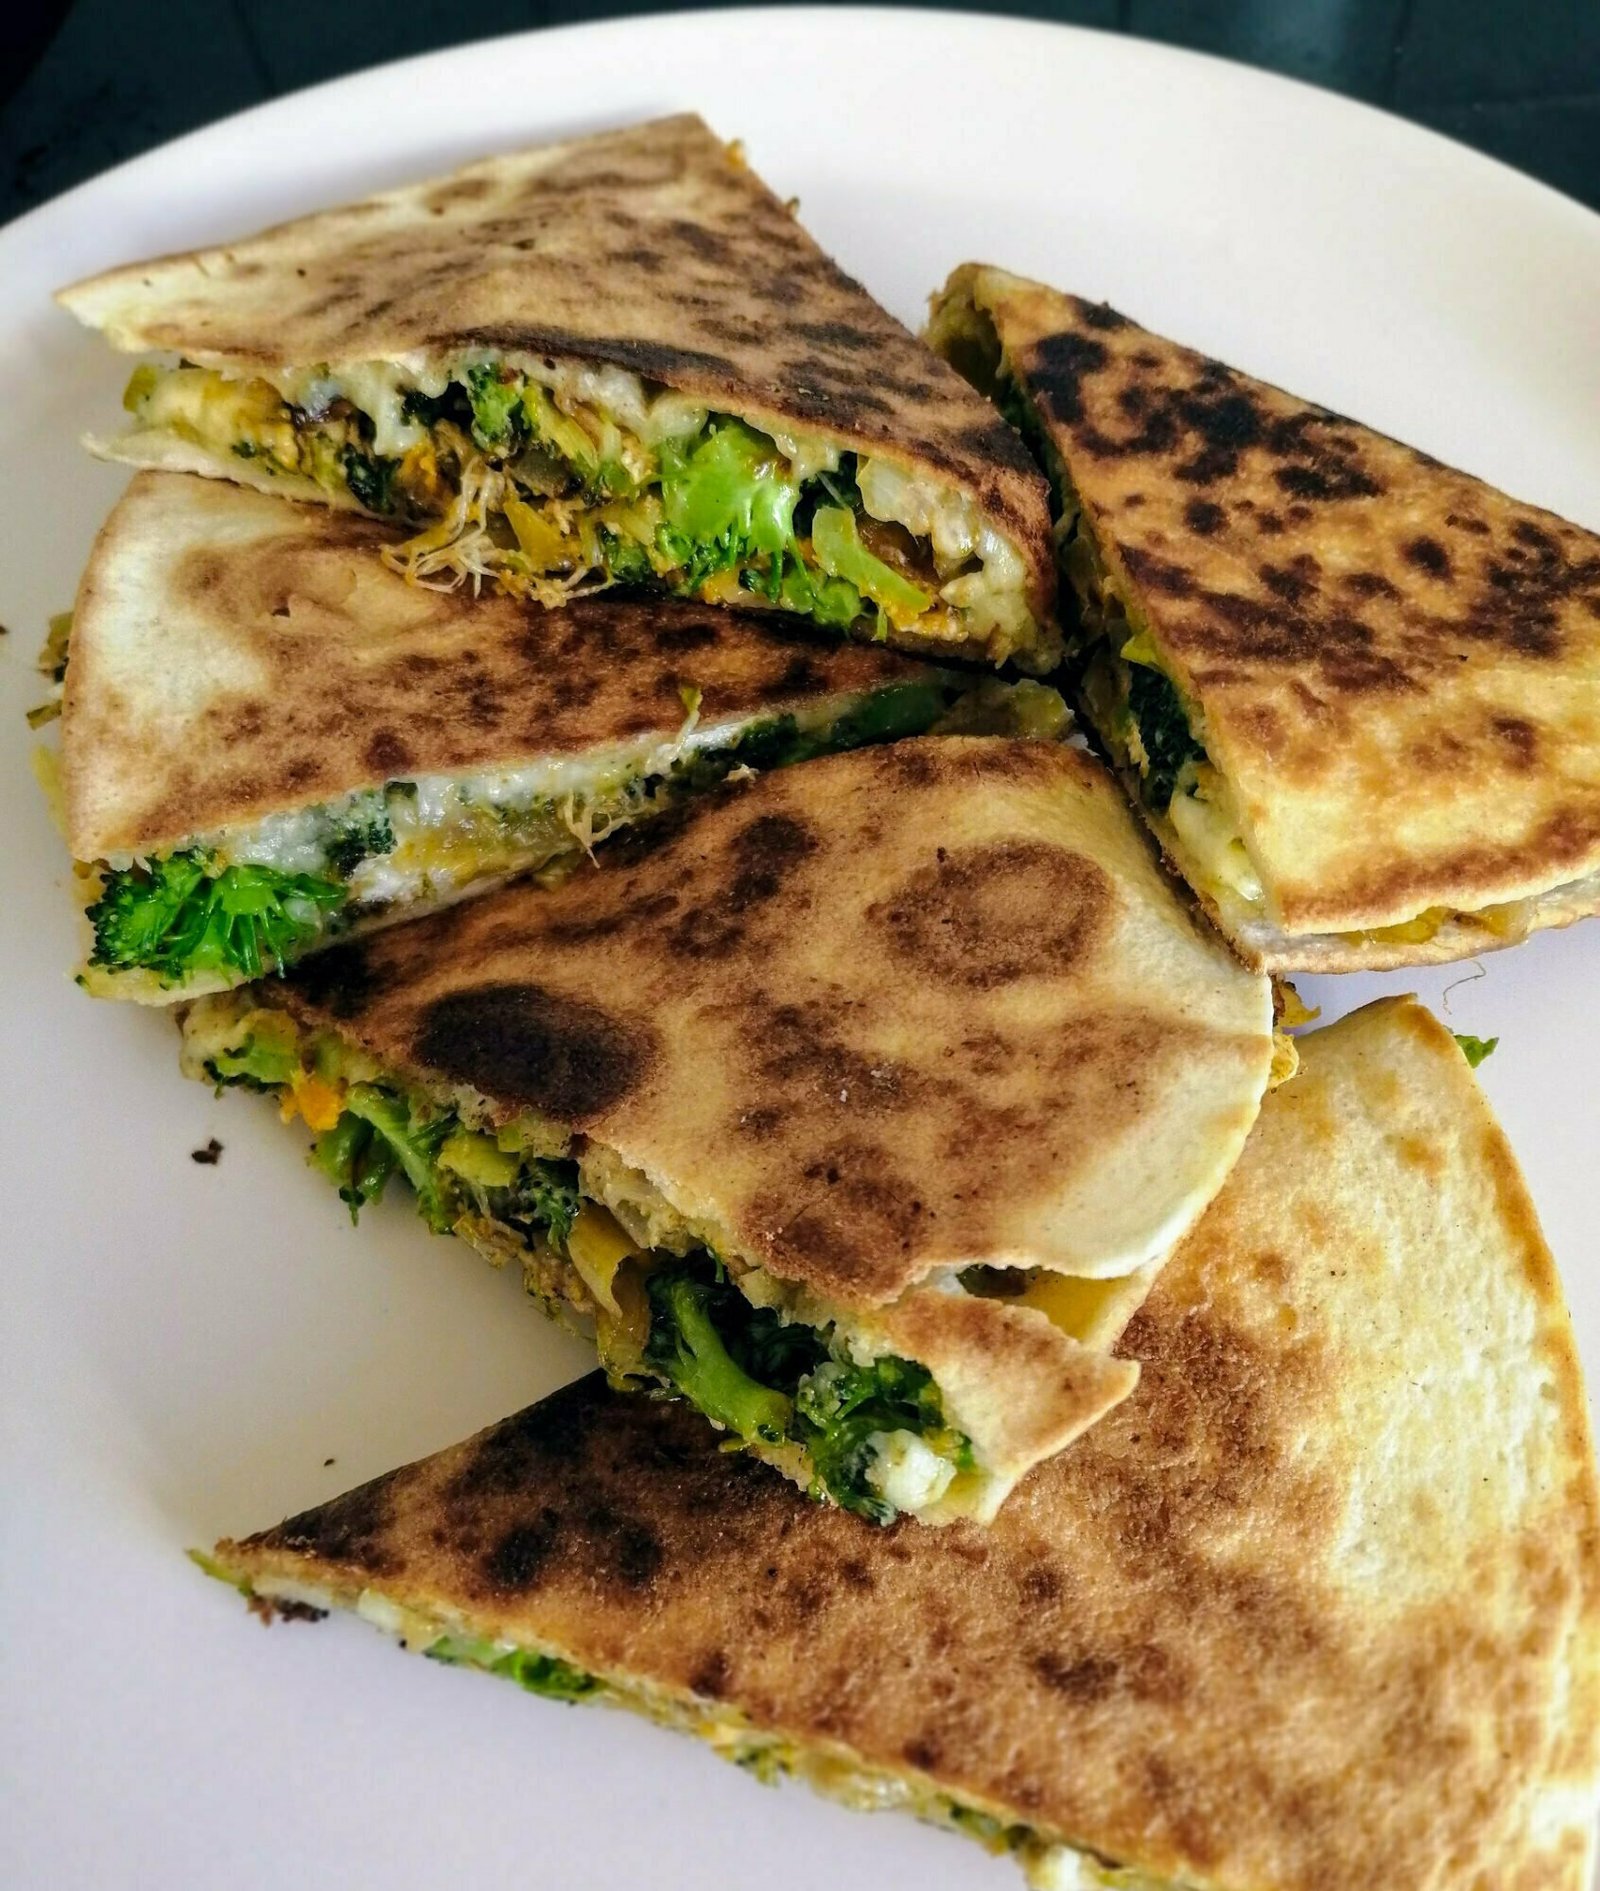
(1397, 667)
(235, 657)
(858, 1025)
(236, 660)
(1320, 1601)
(654, 249)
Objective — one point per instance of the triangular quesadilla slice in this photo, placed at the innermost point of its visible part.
(1355, 693)
(856, 1104)
(269, 741)
(1318, 1607)
(616, 359)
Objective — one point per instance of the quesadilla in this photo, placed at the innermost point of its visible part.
(856, 1104)
(1318, 1607)
(1356, 694)
(269, 741)
(619, 359)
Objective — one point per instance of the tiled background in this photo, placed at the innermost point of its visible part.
(1518, 78)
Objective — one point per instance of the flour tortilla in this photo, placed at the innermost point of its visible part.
(654, 249)
(866, 1023)
(1398, 667)
(1320, 1601)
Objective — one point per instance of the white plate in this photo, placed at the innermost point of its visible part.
(186, 1346)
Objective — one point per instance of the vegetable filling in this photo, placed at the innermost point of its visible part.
(551, 478)
(868, 1433)
(244, 902)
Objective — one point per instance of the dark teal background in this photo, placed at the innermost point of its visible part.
(1518, 78)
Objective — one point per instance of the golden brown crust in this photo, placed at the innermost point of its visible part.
(234, 656)
(652, 248)
(1320, 1601)
(1397, 664)
(892, 1012)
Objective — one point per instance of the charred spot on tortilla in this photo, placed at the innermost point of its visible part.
(991, 915)
(536, 1048)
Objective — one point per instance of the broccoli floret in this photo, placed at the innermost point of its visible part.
(626, 559)
(555, 1679)
(496, 408)
(260, 1063)
(356, 1160)
(839, 1408)
(686, 1348)
(175, 918)
(363, 832)
(370, 477)
(727, 503)
(414, 1141)
(1164, 730)
(550, 1190)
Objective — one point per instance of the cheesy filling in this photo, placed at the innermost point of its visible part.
(828, 1767)
(551, 477)
(302, 877)
(814, 1394)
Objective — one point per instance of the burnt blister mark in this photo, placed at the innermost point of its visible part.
(711, 1675)
(342, 981)
(992, 914)
(762, 857)
(537, 1049)
(1326, 481)
(1427, 554)
(1101, 315)
(1056, 369)
(353, 1529)
(1154, 573)
(518, 1559)
(387, 753)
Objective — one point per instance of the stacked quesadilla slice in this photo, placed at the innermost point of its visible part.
(270, 741)
(856, 1104)
(616, 360)
(1319, 1601)
(1355, 693)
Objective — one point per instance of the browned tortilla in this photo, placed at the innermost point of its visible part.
(863, 1024)
(1397, 666)
(236, 656)
(1318, 1608)
(654, 248)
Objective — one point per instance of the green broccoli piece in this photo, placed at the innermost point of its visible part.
(414, 1142)
(626, 559)
(555, 1679)
(260, 1063)
(1164, 730)
(137, 909)
(685, 1348)
(370, 477)
(839, 1408)
(356, 1160)
(550, 1191)
(497, 421)
(363, 832)
(1475, 1049)
(172, 918)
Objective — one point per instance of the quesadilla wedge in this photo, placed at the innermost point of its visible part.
(1317, 1608)
(855, 1104)
(615, 359)
(269, 741)
(1356, 694)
